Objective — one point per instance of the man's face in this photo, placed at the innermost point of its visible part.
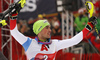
(46, 32)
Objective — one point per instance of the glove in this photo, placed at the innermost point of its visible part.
(18, 6)
(22, 3)
(92, 22)
(3, 23)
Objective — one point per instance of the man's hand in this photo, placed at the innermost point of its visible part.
(93, 20)
(18, 6)
(3, 23)
(22, 3)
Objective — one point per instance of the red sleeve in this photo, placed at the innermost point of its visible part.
(86, 31)
(87, 37)
(13, 22)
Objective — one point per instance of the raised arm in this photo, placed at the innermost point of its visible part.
(77, 38)
(13, 26)
(23, 40)
(15, 33)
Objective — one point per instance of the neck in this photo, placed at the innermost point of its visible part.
(42, 39)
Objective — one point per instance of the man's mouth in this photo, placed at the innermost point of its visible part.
(49, 33)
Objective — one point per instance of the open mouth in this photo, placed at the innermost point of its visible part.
(49, 33)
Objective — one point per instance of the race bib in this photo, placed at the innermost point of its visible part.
(41, 56)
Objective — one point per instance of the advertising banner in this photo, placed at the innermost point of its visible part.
(35, 7)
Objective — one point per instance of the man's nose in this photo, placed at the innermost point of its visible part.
(49, 29)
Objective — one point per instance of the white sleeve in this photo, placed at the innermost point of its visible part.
(18, 36)
(61, 44)
(23, 40)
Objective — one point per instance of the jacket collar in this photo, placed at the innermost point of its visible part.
(40, 42)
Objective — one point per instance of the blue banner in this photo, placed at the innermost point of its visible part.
(35, 7)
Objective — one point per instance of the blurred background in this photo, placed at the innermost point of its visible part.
(67, 18)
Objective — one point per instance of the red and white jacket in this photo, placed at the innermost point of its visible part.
(35, 51)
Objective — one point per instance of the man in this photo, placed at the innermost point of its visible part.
(42, 48)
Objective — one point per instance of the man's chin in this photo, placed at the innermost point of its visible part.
(48, 37)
